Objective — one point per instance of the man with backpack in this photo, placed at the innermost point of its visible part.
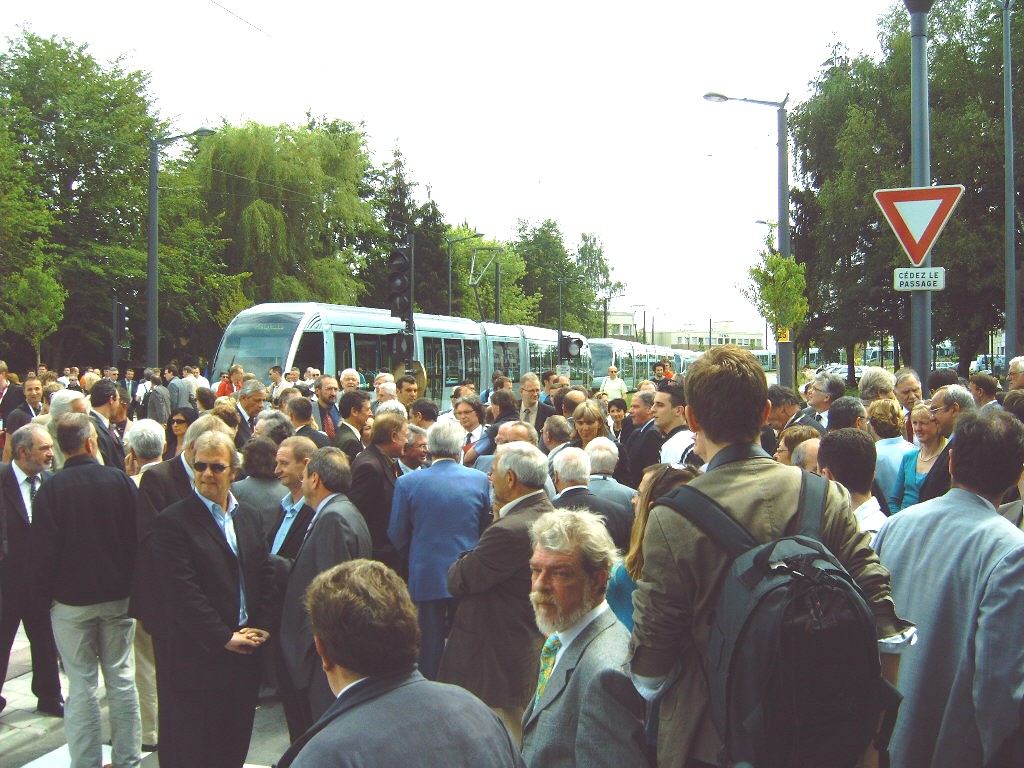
(684, 653)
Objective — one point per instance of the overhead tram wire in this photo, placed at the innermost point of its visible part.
(242, 19)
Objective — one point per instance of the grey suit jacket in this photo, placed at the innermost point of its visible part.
(181, 395)
(339, 534)
(590, 713)
(264, 495)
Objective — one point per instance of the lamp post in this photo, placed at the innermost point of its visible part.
(152, 275)
(785, 348)
(450, 243)
(1010, 346)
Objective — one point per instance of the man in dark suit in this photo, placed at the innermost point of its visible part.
(83, 555)
(11, 397)
(292, 524)
(354, 407)
(437, 514)
(643, 449)
(251, 399)
(31, 459)
(946, 406)
(105, 401)
(131, 386)
(531, 410)
(572, 478)
(300, 411)
(213, 568)
(364, 625)
(325, 412)
(493, 647)
(585, 710)
(32, 389)
(338, 534)
(373, 482)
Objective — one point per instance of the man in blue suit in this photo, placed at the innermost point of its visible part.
(437, 514)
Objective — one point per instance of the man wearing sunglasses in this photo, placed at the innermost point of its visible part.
(212, 565)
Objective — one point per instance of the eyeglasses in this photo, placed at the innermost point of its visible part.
(178, 421)
(217, 469)
(933, 411)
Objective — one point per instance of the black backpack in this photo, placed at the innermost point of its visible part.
(792, 665)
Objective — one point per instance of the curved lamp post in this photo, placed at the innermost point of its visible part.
(152, 275)
(785, 349)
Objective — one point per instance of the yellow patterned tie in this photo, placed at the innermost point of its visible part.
(548, 655)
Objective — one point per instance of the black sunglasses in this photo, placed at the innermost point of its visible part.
(202, 466)
(178, 421)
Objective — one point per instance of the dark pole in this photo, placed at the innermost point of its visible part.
(559, 321)
(605, 336)
(1011, 332)
(920, 151)
(785, 348)
(152, 277)
(113, 333)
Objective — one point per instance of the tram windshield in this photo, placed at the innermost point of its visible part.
(256, 343)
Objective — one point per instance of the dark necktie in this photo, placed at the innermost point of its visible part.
(328, 424)
(817, 417)
(252, 424)
(469, 440)
(33, 486)
(908, 431)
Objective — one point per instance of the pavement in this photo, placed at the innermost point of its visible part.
(29, 739)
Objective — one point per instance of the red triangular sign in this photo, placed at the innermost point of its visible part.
(917, 215)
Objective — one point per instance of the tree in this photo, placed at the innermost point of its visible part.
(852, 137)
(80, 128)
(776, 288)
(33, 304)
(597, 275)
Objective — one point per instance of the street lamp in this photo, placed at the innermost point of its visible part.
(785, 349)
(450, 244)
(152, 276)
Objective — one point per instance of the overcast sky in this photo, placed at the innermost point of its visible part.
(590, 114)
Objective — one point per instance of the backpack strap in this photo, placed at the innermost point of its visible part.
(811, 508)
(713, 521)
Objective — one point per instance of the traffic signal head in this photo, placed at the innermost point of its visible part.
(400, 284)
(571, 347)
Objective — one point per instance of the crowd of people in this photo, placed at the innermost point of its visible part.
(503, 580)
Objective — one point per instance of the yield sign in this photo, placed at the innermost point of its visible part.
(917, 215)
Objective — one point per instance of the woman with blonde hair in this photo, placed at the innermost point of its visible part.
(790, 438)
(916, 464)
(589, 421)
(885, 423)
(657, 480)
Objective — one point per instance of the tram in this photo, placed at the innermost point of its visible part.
(332, 337)
(634, 360)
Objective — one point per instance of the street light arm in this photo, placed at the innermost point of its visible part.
(719, 97)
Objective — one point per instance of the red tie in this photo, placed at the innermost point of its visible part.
(328, 424)
(908, 431)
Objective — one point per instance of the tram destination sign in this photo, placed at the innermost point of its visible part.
(919, 279)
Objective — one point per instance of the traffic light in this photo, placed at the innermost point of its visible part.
(571, 348)
(125, 319)
(400, 294)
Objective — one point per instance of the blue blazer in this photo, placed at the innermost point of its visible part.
(437, 514)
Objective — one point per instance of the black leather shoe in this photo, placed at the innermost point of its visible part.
(3, 703)
(51, 708)
(149, 747)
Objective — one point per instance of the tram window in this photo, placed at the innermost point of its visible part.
(626, 369)
(453, 364)
(542, 356)
(310, 353)
(433, 364)
(580, 369)
(472, 350)
(506, 358)
(368, 360)
(342, 352)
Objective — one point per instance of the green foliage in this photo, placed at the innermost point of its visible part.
(33, 305)
(776, 288)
